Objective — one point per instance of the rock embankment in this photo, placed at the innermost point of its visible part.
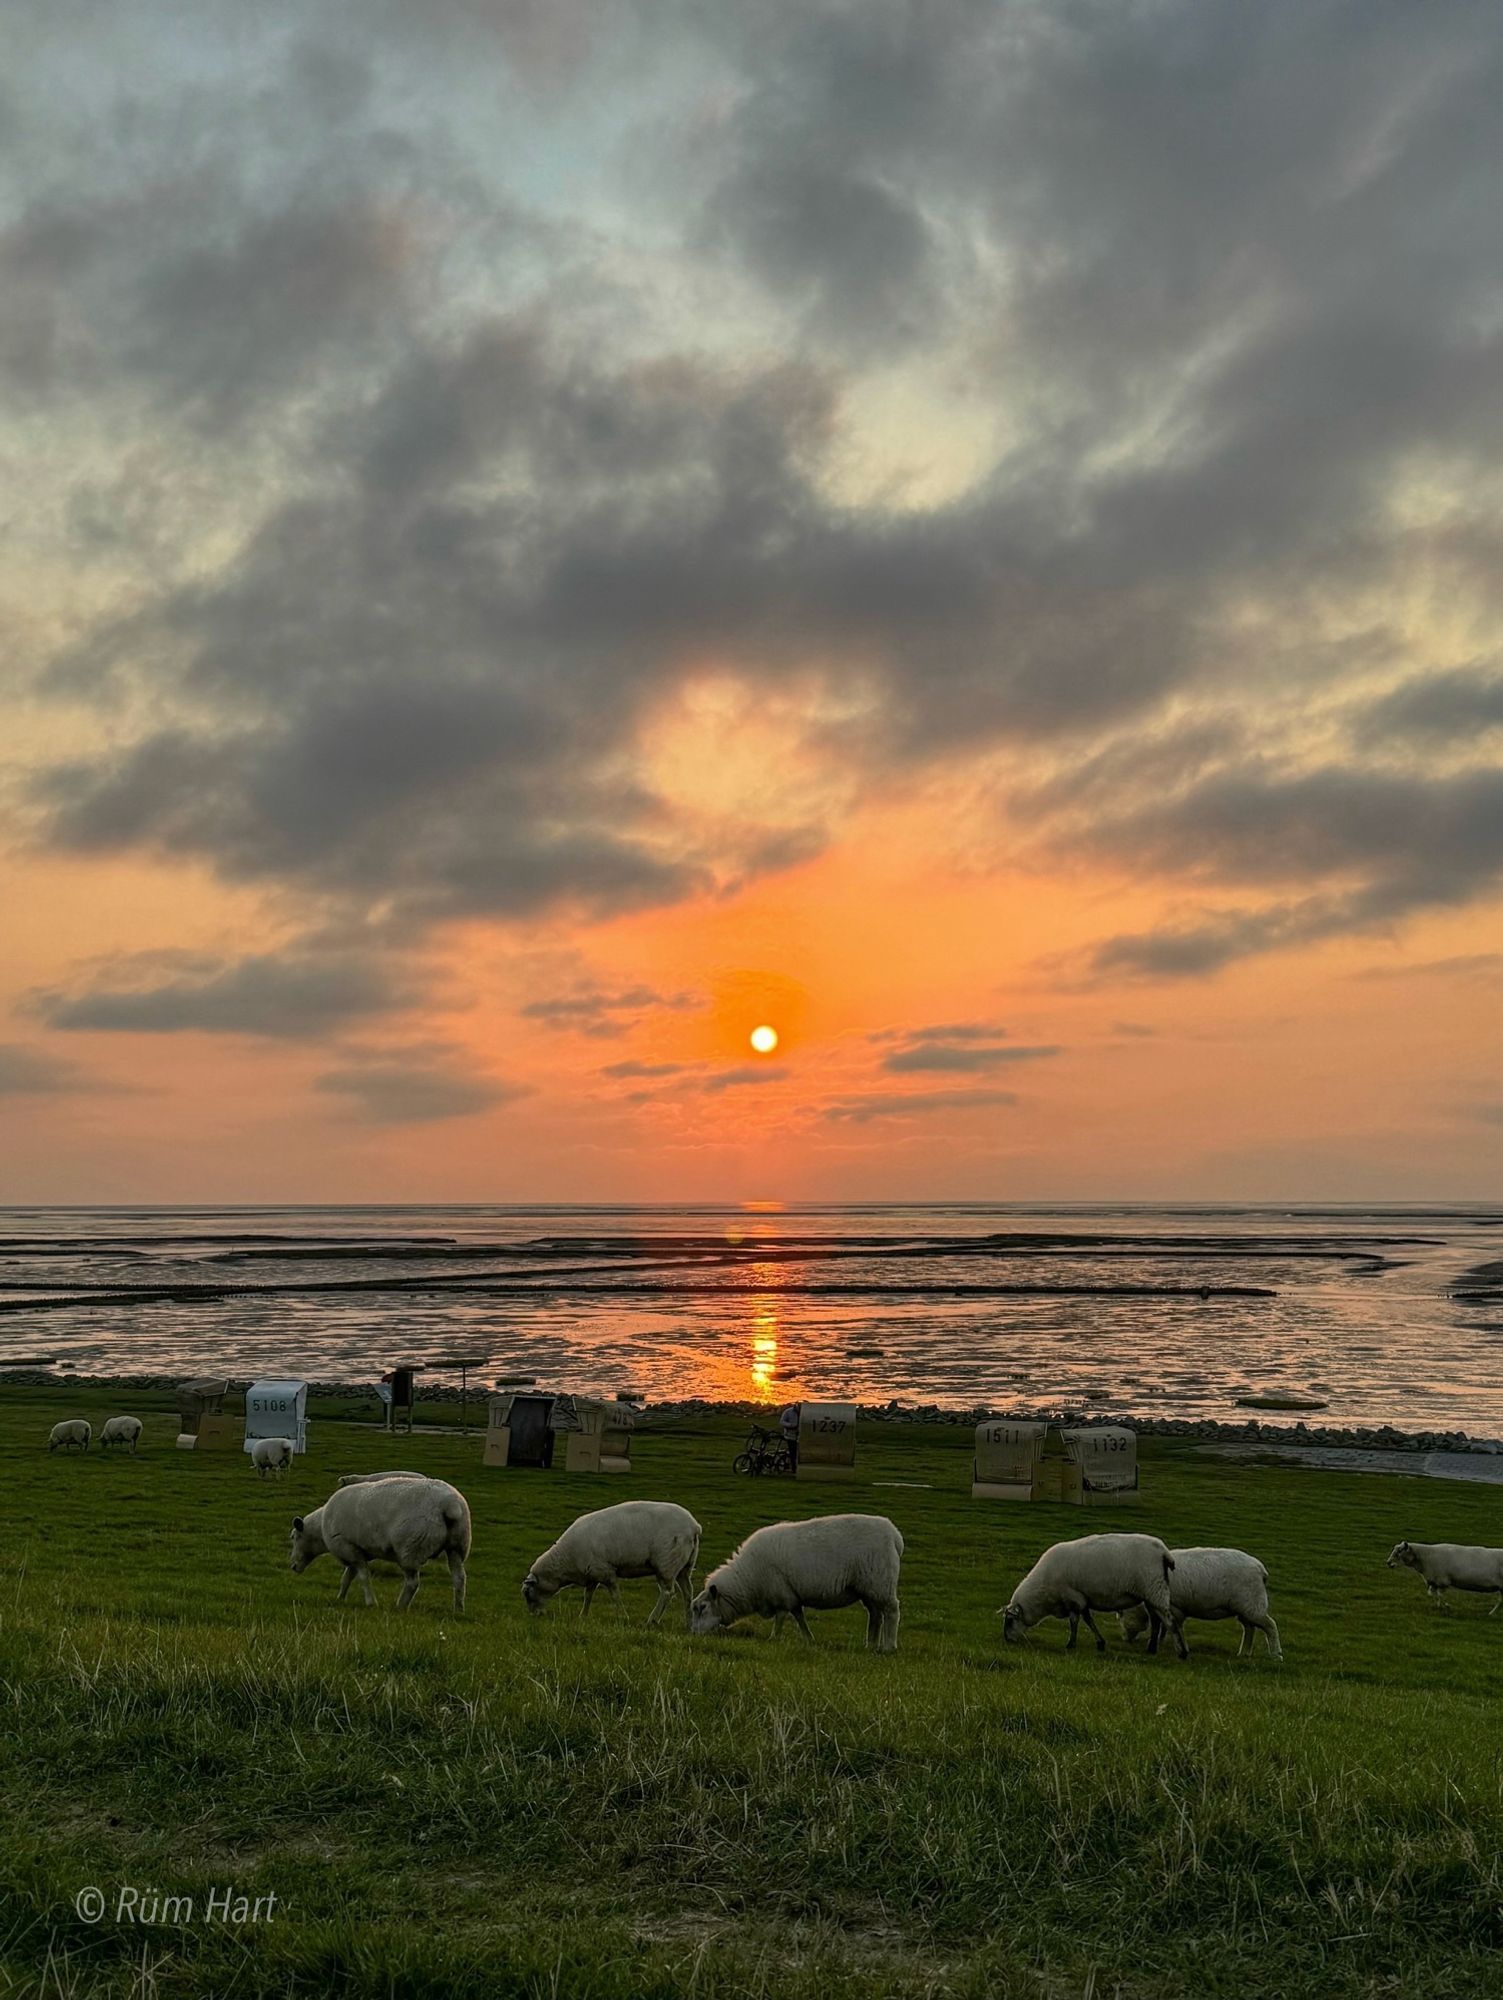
(1361, 1437)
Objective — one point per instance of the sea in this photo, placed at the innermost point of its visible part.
(1179, 1311)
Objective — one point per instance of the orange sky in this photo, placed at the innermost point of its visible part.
(967, 538)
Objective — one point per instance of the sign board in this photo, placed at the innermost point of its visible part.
(1007, 1459)
(603, 1442)
(277, 1410)
(826, 1441)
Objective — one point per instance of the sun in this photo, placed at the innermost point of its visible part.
(764, 1040)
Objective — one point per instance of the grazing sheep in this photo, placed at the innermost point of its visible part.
(1448, 1566)
(635, 1538)
(405, 1521)
(74, 1431)
(1214, 1583)
(820, 1565)
(121, 1430)
(272, 1455)
(1095, 1573)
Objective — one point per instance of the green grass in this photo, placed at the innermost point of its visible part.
(496, 1805)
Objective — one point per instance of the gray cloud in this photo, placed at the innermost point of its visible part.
(1482, 965)
(742, 1075)
(1437, 707)
(963, 1057)
(1389, 845)
(646, 1069)
(27, 1072)
(603, 1014)
(1226, 287)
(415, 1086)
(943, 1031)
(863, 1109)
(301, 994)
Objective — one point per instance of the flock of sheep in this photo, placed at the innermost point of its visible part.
(782, 1571)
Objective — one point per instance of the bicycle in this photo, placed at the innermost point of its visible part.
(766, 1451)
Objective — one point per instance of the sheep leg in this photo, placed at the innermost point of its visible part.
(1155, 1629)
(873, 1621)
(1271, 1634)
(1181, 1644)
(802, 1622)
(777, 1624)
(887, 1636)
(589, 1599)
(1074, 1617)
(344, 1583)
(686, 1586)
(616, 1598)
(1248, 1629)
(667, 1587)
(1092, 1628)
(362, 1570)
(457, 1575)
(411, 1578)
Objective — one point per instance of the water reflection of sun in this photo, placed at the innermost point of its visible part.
(764, 1334)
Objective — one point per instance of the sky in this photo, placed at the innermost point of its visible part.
(542, 536)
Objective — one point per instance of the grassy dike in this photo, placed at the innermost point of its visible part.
(500, 1805)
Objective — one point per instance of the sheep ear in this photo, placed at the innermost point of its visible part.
(297, 1525)
(712, 1590)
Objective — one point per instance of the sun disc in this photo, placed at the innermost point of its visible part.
(764, 1040)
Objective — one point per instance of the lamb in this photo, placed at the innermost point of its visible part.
(121, 1430)
(74, 1431)
(1096, 1573)
(405, 1521)
(272, 1455)
(1214, 1583)
(1449, 1566)
(822, 1565)
(636, 1538)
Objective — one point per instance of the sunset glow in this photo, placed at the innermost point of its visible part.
(802, 639)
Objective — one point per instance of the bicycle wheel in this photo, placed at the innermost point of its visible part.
(743, 1462)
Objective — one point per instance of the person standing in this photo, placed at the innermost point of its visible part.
(788, 1420)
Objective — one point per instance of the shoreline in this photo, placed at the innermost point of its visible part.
(1249, 1432)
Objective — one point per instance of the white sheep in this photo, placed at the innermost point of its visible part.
(73, 1431)
(1214, 1583)
(121, 1430)
(405, 1521)
(1450, 1566)
(1095, 1573)
(635, 1538)
(366, 1478)
(272, 1455)
(820, 1565)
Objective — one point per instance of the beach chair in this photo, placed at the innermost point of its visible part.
(603, 1441)
(826, 1441)
(520, 1430)
(1007, 1456)
(277, 1409)
(202, 1422)
(1096, 1466)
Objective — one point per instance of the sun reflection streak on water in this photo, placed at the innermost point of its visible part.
(764, 1334)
